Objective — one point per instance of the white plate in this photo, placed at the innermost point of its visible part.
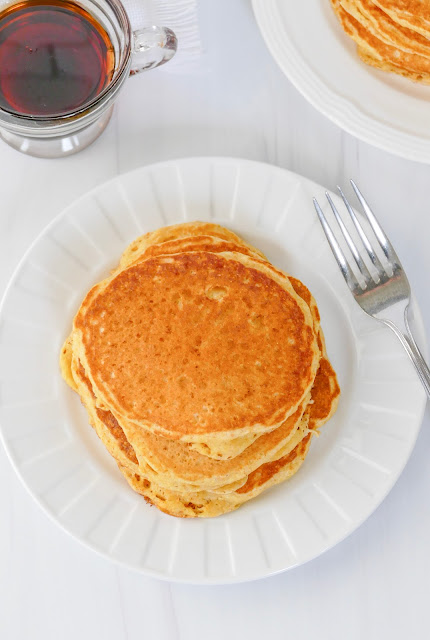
(350, 467)
(310, 46)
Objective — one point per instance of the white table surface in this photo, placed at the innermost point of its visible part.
(373, 585)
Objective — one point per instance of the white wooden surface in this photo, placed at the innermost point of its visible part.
(376, 583)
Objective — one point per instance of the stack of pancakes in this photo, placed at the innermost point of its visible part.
(392, 35)
(202, 367)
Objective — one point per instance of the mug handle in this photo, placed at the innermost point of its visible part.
(152, 46)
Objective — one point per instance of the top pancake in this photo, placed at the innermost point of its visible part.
(229, 448)
(182, 238)
(198, 343)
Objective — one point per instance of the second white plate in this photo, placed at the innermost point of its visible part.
(308, 43)
(351, 466)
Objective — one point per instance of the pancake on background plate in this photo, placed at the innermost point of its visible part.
(390, 35)
(202, 367)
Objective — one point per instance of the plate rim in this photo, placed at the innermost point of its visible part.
(146, 571)
(321, 97)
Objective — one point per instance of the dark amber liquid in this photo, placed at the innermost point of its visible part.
(54, 58)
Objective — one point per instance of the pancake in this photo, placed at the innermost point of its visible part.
(172, 461)
(193, 244)
(225, 450)
(183, 329)
(174, 464)
(325, 393)
(422, 78)
(184, 238)
(378, 49)
(66, 362)
(231, 447)
(326, 380)
(176, 232)
(384, 41)
(413, 14)
(216, 245)
(205, 504)
(113, 437)
(379, 24)
(228, 449)
(217, 449)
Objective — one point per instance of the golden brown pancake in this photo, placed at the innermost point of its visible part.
(191, 243)
(167, 341)
(225, 450)
(379, 24)
(413, 14)
(66, 362)
(422, 78)
(259, 479)
(222, 449)
(325, 395)
(383, 41)
(205, 504)
(177, 232)
(113, 437)
(377, 48)
(194, 244)
(175, 465)
(216, 245)
(174, 462)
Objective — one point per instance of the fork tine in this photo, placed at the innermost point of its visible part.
(374, 258)
(358, 259)
(346, 270)
(384, 243)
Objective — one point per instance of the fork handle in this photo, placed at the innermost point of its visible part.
(411, 347)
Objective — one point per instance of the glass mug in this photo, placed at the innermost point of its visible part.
(63, 132)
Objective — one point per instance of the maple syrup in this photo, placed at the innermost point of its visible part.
(54, 58)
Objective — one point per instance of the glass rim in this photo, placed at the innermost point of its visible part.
(66, 116)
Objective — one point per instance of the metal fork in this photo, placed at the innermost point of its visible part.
(382, 290)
